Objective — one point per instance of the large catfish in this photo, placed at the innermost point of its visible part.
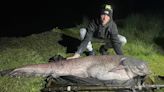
(101, 67)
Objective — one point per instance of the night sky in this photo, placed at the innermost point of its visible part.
(27, 17)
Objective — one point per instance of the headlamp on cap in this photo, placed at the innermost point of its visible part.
(106, 12)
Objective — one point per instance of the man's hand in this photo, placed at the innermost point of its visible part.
(76, 55)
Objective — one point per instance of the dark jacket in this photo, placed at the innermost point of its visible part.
(108, 33)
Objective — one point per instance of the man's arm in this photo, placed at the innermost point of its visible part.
(83, 45)
(84, 42)
(115, 40)
(87, 38)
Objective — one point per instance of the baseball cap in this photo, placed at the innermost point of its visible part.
(107, 10)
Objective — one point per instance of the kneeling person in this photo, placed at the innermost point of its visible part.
(102, 28)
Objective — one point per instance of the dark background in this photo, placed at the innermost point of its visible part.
(22, 18)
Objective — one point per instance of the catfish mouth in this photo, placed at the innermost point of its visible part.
(138, 68)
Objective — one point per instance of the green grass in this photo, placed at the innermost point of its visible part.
(140, 30)
(21, 84)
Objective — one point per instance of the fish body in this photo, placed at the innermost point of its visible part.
(103, 67)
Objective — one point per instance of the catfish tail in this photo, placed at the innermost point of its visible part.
(21, 72)
(6, 72)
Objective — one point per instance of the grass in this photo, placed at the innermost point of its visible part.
(140, 30)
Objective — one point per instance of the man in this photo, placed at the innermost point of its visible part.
(103, 28)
